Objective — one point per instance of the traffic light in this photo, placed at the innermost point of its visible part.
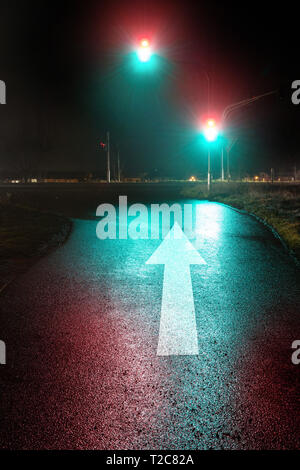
(144, 51)
(210, 130)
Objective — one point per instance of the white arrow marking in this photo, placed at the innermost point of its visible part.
(178, 331)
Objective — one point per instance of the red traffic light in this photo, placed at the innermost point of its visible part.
(144, 43)
(102, 145)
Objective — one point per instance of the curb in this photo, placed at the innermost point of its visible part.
(290, 252)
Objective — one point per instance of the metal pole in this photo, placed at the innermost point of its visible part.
(240, 104)
(208, 170)
(119, 169)
(228, 170)
(233, 107)
(222, 160)
(108, 157)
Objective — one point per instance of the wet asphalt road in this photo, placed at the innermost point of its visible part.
(81, 329)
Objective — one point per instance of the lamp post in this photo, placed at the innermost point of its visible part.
(108, 158)
(230, 109)
(222, 163)
(208, 170)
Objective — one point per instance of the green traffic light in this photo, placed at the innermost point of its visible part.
(144, 51)
(210, 130)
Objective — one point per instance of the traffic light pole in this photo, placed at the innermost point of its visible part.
(222, 162)
(108, 158)
(119, 169)
(228, 166)
(208, 170)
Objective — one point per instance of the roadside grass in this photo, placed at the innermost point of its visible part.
(25, 235)
(280, 210)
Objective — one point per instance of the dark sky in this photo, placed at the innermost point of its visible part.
(70, 76)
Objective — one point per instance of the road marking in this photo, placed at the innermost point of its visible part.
(178, 330)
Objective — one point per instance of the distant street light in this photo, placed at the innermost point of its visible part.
(106, 147)
(108, 157)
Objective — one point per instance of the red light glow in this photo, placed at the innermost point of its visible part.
(144, 43)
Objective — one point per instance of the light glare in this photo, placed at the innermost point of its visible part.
(211, 134)
(144, 51)
(144, 54)
(144, 43)
(210, 130)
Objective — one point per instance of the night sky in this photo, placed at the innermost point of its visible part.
(70, 77)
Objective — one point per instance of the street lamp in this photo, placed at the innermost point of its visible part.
(211, 133)
(106, 147)
(227, 112)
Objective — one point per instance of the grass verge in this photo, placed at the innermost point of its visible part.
(25, 235)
